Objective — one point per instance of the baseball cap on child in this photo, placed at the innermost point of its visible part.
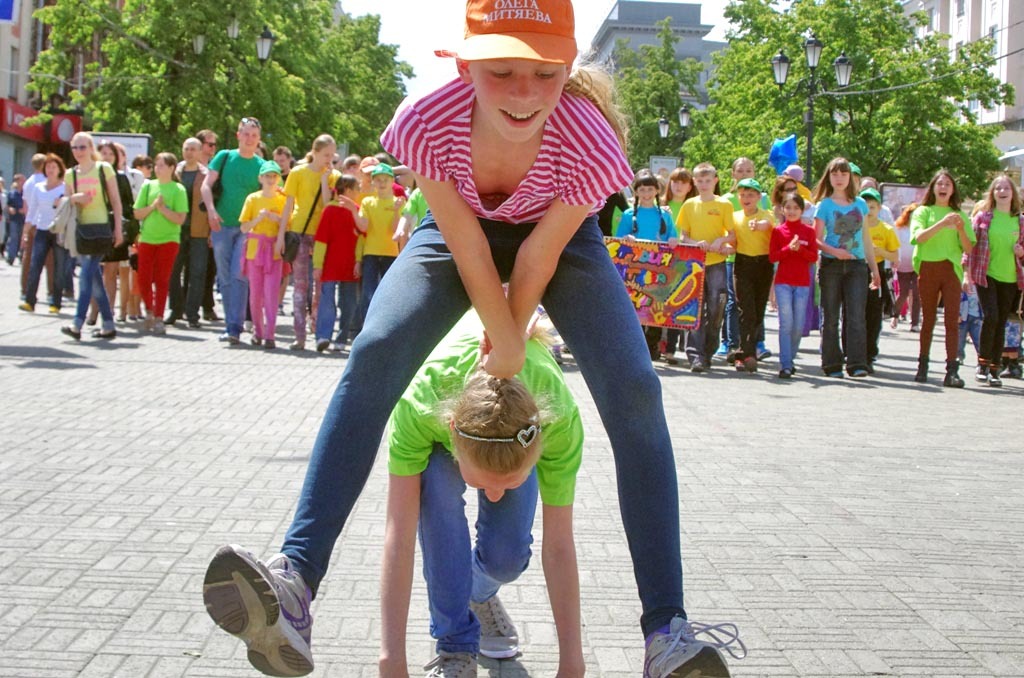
(538, 30)
(873, 194)
(270, 167)
(749, 183)
(368, 163)
(381, 168)
(794, 172)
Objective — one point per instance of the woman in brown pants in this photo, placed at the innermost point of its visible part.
(941, 236)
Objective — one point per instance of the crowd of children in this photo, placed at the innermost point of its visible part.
(838, 251)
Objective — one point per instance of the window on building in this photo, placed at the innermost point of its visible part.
(960, 9)
(993, 33)
(12, 80)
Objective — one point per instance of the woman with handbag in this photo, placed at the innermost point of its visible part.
(116, 266)
(308, 190)
(92, 185)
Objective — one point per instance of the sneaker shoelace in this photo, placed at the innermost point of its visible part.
(292, 593)
(682, 632)
(494, 621)
(450, 665)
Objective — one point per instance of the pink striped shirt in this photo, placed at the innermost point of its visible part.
(580, 160)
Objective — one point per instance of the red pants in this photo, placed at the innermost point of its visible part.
(155, 265)
(939, 278)
(264, 291)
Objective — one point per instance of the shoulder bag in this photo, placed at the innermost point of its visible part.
(293, 239)
(96, 239)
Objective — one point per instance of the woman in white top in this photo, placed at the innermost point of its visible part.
(43, 207)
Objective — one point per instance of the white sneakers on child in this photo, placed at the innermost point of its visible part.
(264, 604)
(674, 652)
(498, 636)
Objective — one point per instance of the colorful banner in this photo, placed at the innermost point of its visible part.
(665, 284)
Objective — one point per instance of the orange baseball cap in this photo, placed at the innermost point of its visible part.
(538, 30)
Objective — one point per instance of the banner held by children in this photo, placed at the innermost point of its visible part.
(665, 283)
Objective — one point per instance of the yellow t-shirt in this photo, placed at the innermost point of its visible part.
(706, 220)
(303, 184)
(255, 202)
(884, 238)
(381, 214)
(752, 243)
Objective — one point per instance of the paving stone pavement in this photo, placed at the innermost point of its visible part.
(850, 528)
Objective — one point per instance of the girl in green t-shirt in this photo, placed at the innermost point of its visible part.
(456, 425)
(161, 209)
(994, 267)
(940, 237)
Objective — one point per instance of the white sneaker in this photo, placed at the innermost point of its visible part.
(498, 636)
(674, 652)
(264, 604)
(452, 665)
(247, 326)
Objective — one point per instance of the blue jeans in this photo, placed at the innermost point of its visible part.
(228, 246)
(703, 341)
(90, 286)
(454, 571)
(374, 268)
(844, 285)
(972, 328)
(198, 251)
(419, 300)
(14, 231)
(346, 301)
(42, 244)
(792, 302)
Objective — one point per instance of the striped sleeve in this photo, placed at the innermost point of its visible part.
(597, 166)
(408, 139)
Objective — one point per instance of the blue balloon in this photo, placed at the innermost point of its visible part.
(783, 153)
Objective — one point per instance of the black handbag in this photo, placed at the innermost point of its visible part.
(96, 239)
(292, 240)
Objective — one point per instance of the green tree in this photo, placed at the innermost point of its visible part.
(325, 75)
(905, 113)
(650, 81)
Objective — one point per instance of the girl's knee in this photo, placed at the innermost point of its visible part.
(504, 562)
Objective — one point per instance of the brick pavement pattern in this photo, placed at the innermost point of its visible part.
(850, 528)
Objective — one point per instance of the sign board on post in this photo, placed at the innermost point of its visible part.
(662, 165)
(134, 144)
(665, 284)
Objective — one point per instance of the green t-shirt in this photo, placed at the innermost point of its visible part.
(416, 423)
(944, 245)
(94, 211)
(239, 177)
(156, 228)
(416, 207)
(1003, 234)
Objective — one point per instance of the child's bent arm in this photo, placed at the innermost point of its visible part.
(397, 570)
(472, 254)
(538, 257)
(558, 556)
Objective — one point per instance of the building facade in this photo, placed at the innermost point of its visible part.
(635, 21)
(966, 21)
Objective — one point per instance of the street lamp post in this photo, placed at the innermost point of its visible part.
(664, 127)
(843, 66)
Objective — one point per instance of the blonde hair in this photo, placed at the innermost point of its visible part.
(703, 169)
(322, 142)
(491, 408)
(594, 83)
(492, 418)
(988, 203)
(85, 136)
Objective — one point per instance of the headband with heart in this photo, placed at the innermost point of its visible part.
(524, 437)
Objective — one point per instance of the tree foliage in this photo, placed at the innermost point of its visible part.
(325, 75)
(650, 81)
(905, 113)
